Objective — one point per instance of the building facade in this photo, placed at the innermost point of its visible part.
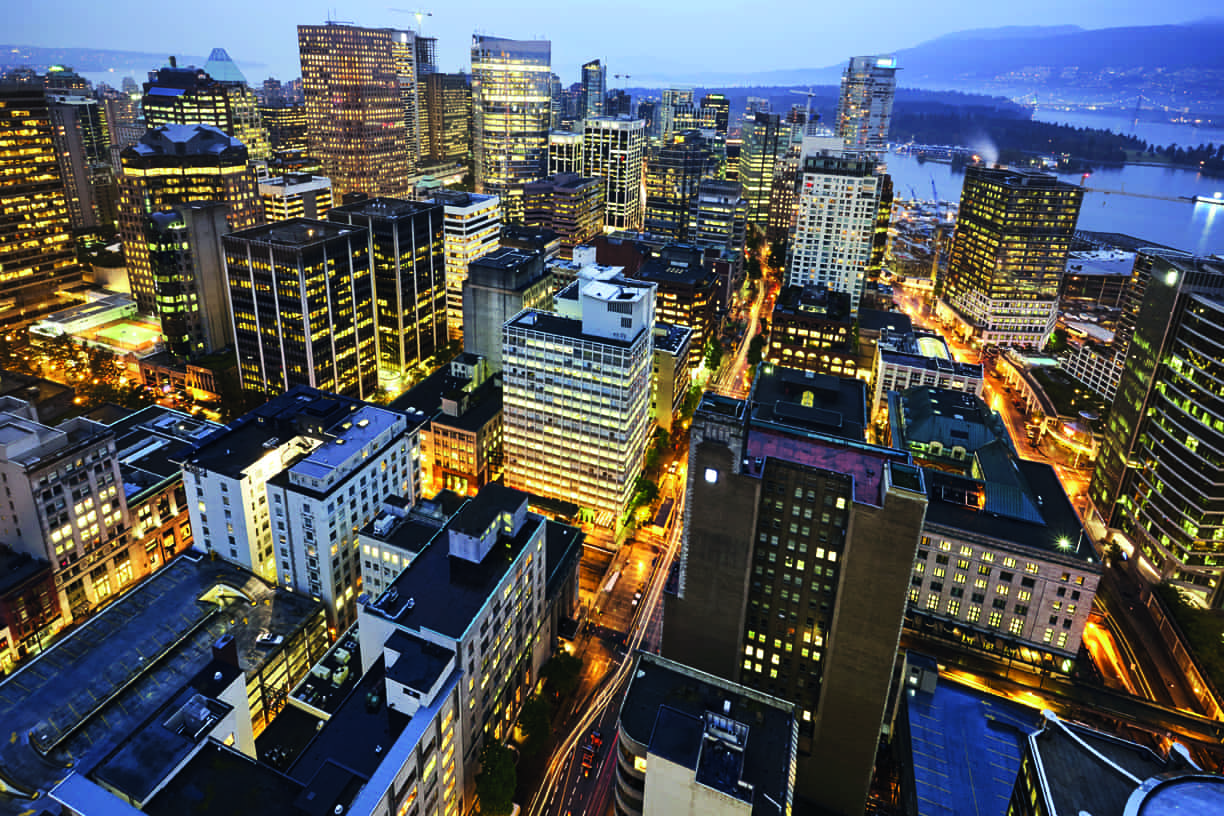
(302, 294)
(673, 175)
(615, 150)
(295, 195)
(763, 143)
(448, 119)
(499, 285)
(564, 152)
(191, 96)
(472, 223)
(570, 205)
(594, 88)
(864, 106)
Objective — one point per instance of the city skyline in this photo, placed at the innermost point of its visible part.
(808, 41)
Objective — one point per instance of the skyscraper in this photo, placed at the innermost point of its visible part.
(799, 541)
(864, 108)
(36, 251)
(564, 152)
(721, 106)
(190, 289)
(178, 164)
(672, 177)
(763, 143)
(719, 217)
(361, 144)
(511, 116)
(837, 209)
(594, 88)
(472, 225)
(1157, 479)
(615, 150)
(405, 247)
(414, 58)
(577, 394)
(190, 96)
(447, 119)
(672, 98)
(1008, 255)
(83, 146)
(302, 293)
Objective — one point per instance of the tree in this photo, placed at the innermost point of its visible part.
(756, 350)
(753, 267)
(713, 354)
(561, 673)
(536, 722)
(497, 779)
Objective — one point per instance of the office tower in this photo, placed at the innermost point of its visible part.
(838, 204)
(594, 89)
(864, 107)
(36, 251)
(691, 744)
(577, 394)
(362, 145)
(648, 112)
(447, 119)
(178, 164)
(405, 247)
(295, 195)
(720, 217)
(534, 239)
(721, 106)
(810, 329)
(472, 225)
(190, 289)
(799, 543)
(499, 285)
(572, 108)
(782, 197)
(1008, 255)
(672, 99)
(564, 153)
(618, 103)
(1156, 484)
(673, 174)
(763, 144)
(282, 490)
(83, 148)
(66, 501)
(413, 57)
(62, 81)
(570, 205)
(302, 294)
(511, 116)
(615, 150)
(191, 96)
(556, 101)
(686, 292)
(287, 137)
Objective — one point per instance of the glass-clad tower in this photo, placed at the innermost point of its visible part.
(864, 109)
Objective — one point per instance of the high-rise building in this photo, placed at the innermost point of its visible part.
(179, 164)
(673, 175)
(649, 112)
(799, 544)
(83, 147)
(276, 491)
(837, 209)
(721, 106)
(1008, 255)
(448, 119)
(286, 127)
(594, 88)
(361, 144)
(568, 204)
(864, 108)
(405, 247)
(36, 251)
(720, 217)
(564, 153)
(499, 285)
(295, 195)
(782, 197)
(414, 59)
(673, 98)
(190, 289)
(618, 103)
(511, 116)
(763, 144)
(302, 294)
(577, 394)
(556, 101)
(615, 150)
(1156, 484)
(472, 225)
(191, 96)
(686, 292)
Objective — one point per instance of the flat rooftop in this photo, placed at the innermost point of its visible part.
(296, 232)
(90, 691)
(671, 337)
(861, 462)
(875, 320)
(664, 707)
(219, 781)
(381, 207)
(149, 442)
(549, 323)
(817, 402)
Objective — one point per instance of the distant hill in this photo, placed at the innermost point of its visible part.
(92, 60)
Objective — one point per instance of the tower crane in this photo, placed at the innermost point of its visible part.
(809, 93)
(420, 14)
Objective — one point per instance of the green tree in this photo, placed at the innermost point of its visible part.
(756, 350)
(497, 778)
(536, 722)
(713, 354)
(561, 673)
(753, 267)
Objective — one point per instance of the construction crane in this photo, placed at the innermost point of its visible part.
(420, 14)
(934, 192)
(622, 76)
(809, 93)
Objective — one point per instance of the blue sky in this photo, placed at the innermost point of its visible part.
(673, 39)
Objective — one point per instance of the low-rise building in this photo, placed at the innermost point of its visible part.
(943, 428)
(811, 330)
(671, 373)
(920, 358)
(30, 609)
(295, 195)
(687, 291)
(692, 743)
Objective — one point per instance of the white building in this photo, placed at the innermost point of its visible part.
(471, 225)
(910, 361)
(284, 489)
(296, 195)
(864, 106)
(837, 207)
(576, 396)
(564, 152)
(614, 149)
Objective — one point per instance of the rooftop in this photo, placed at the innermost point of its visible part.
(205, 786)
(816, 402)
(952, 418)
(176, 141)
(861, 462)
(679, 712)
(148, 443)
(812, 302)
(382, 207)
(548, 323)
(875, 321)
(671, 337)
(93, 688)
(296, 232)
